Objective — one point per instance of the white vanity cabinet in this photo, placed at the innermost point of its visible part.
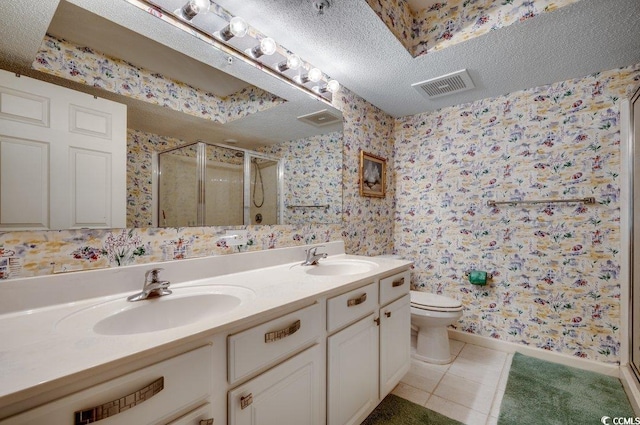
(395, 343)
(292, 391)
(352, 372)
(174, 391)
(352, 355)
(395, 330)
(367, 359)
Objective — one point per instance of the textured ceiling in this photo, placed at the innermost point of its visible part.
(350, 43)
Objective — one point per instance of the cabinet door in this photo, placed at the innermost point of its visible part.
(353, 372)
(395, 343)
(290, 393)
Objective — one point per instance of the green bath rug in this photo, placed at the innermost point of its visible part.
(394, 410)
(539, 392)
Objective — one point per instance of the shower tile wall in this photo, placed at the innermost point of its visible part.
(556, 267)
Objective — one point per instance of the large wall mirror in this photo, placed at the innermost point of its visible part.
(303, 160)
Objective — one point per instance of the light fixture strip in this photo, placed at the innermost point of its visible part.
(167, 16)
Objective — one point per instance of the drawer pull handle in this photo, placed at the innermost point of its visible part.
(282, 333)
(206, 421)
(246, 401)
(398, 282)
(356, 301)
(377, 320)
(387, 313)
(112, 408)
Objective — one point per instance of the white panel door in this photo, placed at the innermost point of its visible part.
(24, 169)
(352, 372)
(290, 393)
(395, 343)
(85, 139)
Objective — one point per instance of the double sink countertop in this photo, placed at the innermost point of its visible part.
(47, 324)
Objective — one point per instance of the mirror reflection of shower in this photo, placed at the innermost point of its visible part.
(257, 176)
(203, 184)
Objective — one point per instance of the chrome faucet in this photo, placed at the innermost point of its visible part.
(153, 287)
(313, 256)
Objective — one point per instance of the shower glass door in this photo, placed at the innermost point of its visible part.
(224, 185)
(263, 190)
(178, 187)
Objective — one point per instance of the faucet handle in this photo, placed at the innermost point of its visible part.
(153, 273)
(314, 249)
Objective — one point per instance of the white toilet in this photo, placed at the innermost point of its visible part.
(431, 314)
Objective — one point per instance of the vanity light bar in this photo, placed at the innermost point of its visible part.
(247, 57)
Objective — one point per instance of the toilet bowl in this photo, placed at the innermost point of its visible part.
(431, 314)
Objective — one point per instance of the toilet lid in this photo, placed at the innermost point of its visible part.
(429, 301)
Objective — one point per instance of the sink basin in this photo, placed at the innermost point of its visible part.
(344, 267)
(185, 306)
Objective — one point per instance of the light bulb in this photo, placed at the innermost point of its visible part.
(292, 62)
(333, 86)
(315, 75)
(268, 46)
(193, 8)
(237, 27)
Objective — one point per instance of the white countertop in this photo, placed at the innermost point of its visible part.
(36, 355)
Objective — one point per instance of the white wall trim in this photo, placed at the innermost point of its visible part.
(631, 387)
(539, 353)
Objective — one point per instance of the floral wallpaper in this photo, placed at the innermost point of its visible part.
(313, 176)
(446, 23)
(86, 66)
(555, 266)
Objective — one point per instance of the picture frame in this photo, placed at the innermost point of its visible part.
(373, 175)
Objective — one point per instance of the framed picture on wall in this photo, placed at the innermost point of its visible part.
(373, 171)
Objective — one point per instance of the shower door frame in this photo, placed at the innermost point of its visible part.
(632, 135)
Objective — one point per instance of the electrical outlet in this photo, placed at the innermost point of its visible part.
(235, 237)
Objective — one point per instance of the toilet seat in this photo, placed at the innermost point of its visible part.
(433, 302)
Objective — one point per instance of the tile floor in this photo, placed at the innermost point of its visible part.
(469, 389)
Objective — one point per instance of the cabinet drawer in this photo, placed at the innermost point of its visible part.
(199, 416)
(264, 344)
(351, 306)
(136, 398)
(393, 287)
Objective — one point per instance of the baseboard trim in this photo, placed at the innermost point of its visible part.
(539, 353)
(631, 387)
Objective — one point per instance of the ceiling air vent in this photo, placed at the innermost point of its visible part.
(445, 85)
(321, 118)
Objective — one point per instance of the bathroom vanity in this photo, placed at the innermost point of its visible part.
(244, 339)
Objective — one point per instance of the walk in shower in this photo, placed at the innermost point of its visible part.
(202, 184)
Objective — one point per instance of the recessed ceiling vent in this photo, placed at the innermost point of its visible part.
(445, 85)
(321, 118)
